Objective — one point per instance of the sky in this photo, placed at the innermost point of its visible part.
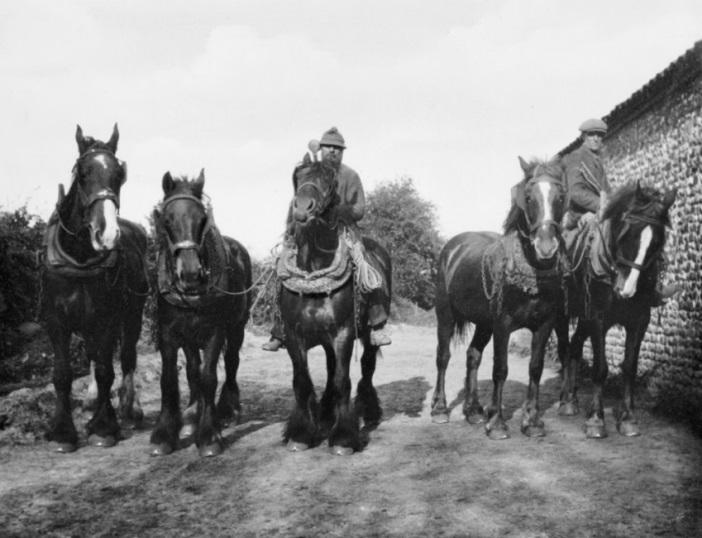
(448, 93)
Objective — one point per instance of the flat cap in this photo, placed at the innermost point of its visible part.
(593, 124)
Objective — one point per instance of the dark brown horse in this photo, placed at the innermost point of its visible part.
(500, 284)
(204, 282)
(320, 306)
(94, 284)
(616, 265)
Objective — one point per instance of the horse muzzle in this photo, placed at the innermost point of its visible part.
(189, 271)
(104, 226)
(546, 241)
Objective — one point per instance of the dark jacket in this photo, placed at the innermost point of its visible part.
(586, 179)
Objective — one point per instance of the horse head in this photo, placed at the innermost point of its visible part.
(538, 203)
(98, 176)
(636, 218)
(315, 184)
(184, 222)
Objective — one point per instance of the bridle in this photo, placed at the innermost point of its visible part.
(88, 200)
(532, 227)
(186, 244)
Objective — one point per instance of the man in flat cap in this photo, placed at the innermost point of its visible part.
(585, 174)
(588, 189)
(352, 202)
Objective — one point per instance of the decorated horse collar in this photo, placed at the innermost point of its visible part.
(57, 259)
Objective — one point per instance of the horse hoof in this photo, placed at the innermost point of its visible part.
(215, 449)
(497, 434)
(187, 431)
(164, 449)
(628, 429)
(296, 446)
(340, 450)
(440, 418)
(475, 418)
(568, 409)
(595, 431)
(102, 442)
(534, 431)
(65, 448)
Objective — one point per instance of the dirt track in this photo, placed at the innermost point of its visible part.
(415, 478)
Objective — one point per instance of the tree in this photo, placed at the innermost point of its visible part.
(399, 219)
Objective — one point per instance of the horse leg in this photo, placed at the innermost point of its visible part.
(301, 430)
(129, 406)
(595, 423)
(344, 437)
(103, 428)
(532, 425)
(90, 400)
(326, 404)
(228, 406)
(444, 331)
(570, 355)
(495, 427)
(472, 410)
(627, 424)
(367, 404)
(63, 430)
(192, 372)
(164, 438)
(209, 437)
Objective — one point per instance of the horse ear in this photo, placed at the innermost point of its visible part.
(62, 193)
(525, 165)
(199, 183)
(639, 191)
(112, 142)
(306, 160)
(167, 183)
(518, 195)
(80, 139)
(669, 198)
(124, 172)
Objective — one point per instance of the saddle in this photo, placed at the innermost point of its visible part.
(322, 281)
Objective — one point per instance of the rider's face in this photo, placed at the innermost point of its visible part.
(332, 154)
(593, 140)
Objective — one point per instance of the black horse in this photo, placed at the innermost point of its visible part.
(94, 284)
(204, 284)
(616, 265)
(500, 284)
(321, 305)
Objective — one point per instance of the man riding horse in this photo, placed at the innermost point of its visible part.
(352, 206)
(588, 187)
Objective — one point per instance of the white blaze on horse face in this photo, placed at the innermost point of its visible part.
(101, 159)
(545, 188)
(629, 288)
(544, 244)
(106, 239)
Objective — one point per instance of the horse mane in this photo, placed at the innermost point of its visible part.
(321, 167)
(534, 168)
(638, 199)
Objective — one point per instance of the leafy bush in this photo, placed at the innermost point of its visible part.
(21, 237)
